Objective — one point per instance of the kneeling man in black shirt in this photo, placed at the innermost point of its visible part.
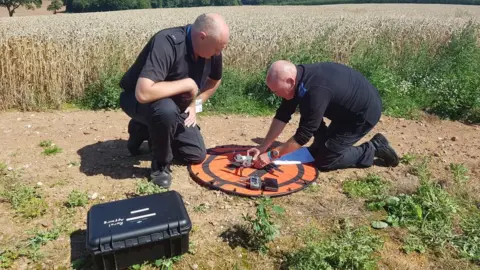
(161, 87)
(330, 90)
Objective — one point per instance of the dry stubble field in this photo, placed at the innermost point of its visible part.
(94, 158)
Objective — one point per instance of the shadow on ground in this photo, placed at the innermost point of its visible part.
(259, 140)
(237, 236)
(79, 256)
(111, 158)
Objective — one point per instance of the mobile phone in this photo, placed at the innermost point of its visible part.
(270, 184)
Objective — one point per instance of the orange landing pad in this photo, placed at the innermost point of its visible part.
(217, 173)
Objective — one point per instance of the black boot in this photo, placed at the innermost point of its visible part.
(138, 134)
(161, 175)
(384, 151)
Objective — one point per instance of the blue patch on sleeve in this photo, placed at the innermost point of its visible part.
(302, 90)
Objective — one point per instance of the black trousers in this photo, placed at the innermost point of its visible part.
(333, 146)
(162, 122)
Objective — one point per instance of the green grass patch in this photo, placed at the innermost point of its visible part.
(413, 243)
(103, 93)
(49, 148)
(145, 187)
(460, 173)
(7, 258)
(201, 208)
(312, 188)
(261, 227)
(3, 169)
(77, 199)
(347, 248)
(415, 77)
(434, 219)
(30, 248)
(408, 159)
(27, 201)
(46, 143)
(428, 213)
(367, 187)
(468, 243)
(39, 238)
(420, 168)
(163, 264)
(52, 150)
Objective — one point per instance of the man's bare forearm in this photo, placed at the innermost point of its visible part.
(148, 91)
(275, 130)
(209, 89)
(288, 147)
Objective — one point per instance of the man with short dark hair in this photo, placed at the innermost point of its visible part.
(330, 90)
(161, 90)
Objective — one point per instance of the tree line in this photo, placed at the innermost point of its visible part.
(110, 5)
(107, 5)
(76, 6)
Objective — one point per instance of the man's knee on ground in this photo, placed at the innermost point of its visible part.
(192, 157)
(198, 158)
(328, 162)
(164, 111)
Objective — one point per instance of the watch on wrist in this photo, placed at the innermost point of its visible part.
(274, 153)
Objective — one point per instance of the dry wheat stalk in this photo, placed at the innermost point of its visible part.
(51, 59)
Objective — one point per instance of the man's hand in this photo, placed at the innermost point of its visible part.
(262, 161)
(260, 157)
(254, 152)
(192, 116)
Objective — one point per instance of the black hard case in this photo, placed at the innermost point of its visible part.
(132, 231)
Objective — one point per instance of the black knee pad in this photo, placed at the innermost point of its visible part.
(196, 158)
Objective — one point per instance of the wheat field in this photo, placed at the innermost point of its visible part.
(49, 60)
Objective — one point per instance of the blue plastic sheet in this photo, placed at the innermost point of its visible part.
(299, 156)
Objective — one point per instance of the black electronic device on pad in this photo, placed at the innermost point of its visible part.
(270, 184)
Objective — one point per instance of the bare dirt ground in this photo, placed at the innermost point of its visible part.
(95, 143)
(22, 11)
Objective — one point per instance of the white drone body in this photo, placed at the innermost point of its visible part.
(243, 161)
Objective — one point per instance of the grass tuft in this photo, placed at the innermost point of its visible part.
(428, 213)
(459, 172)
(77, 199)
(348, 248)
(49, 148)
(261, 228)
(145, 187)
(468, 243)
(368, 187)
(27, 201)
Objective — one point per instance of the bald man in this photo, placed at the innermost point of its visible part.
(333, 91)
(176, 68)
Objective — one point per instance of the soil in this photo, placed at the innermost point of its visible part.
(96, 141)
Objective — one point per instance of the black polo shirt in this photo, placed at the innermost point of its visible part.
(169, 56)
(333, 91)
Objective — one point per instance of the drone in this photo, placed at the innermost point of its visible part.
(241, 162)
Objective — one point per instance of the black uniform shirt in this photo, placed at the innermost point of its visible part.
(330, 90)
(169, 56)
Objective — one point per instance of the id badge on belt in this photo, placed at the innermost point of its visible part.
(198, 105)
